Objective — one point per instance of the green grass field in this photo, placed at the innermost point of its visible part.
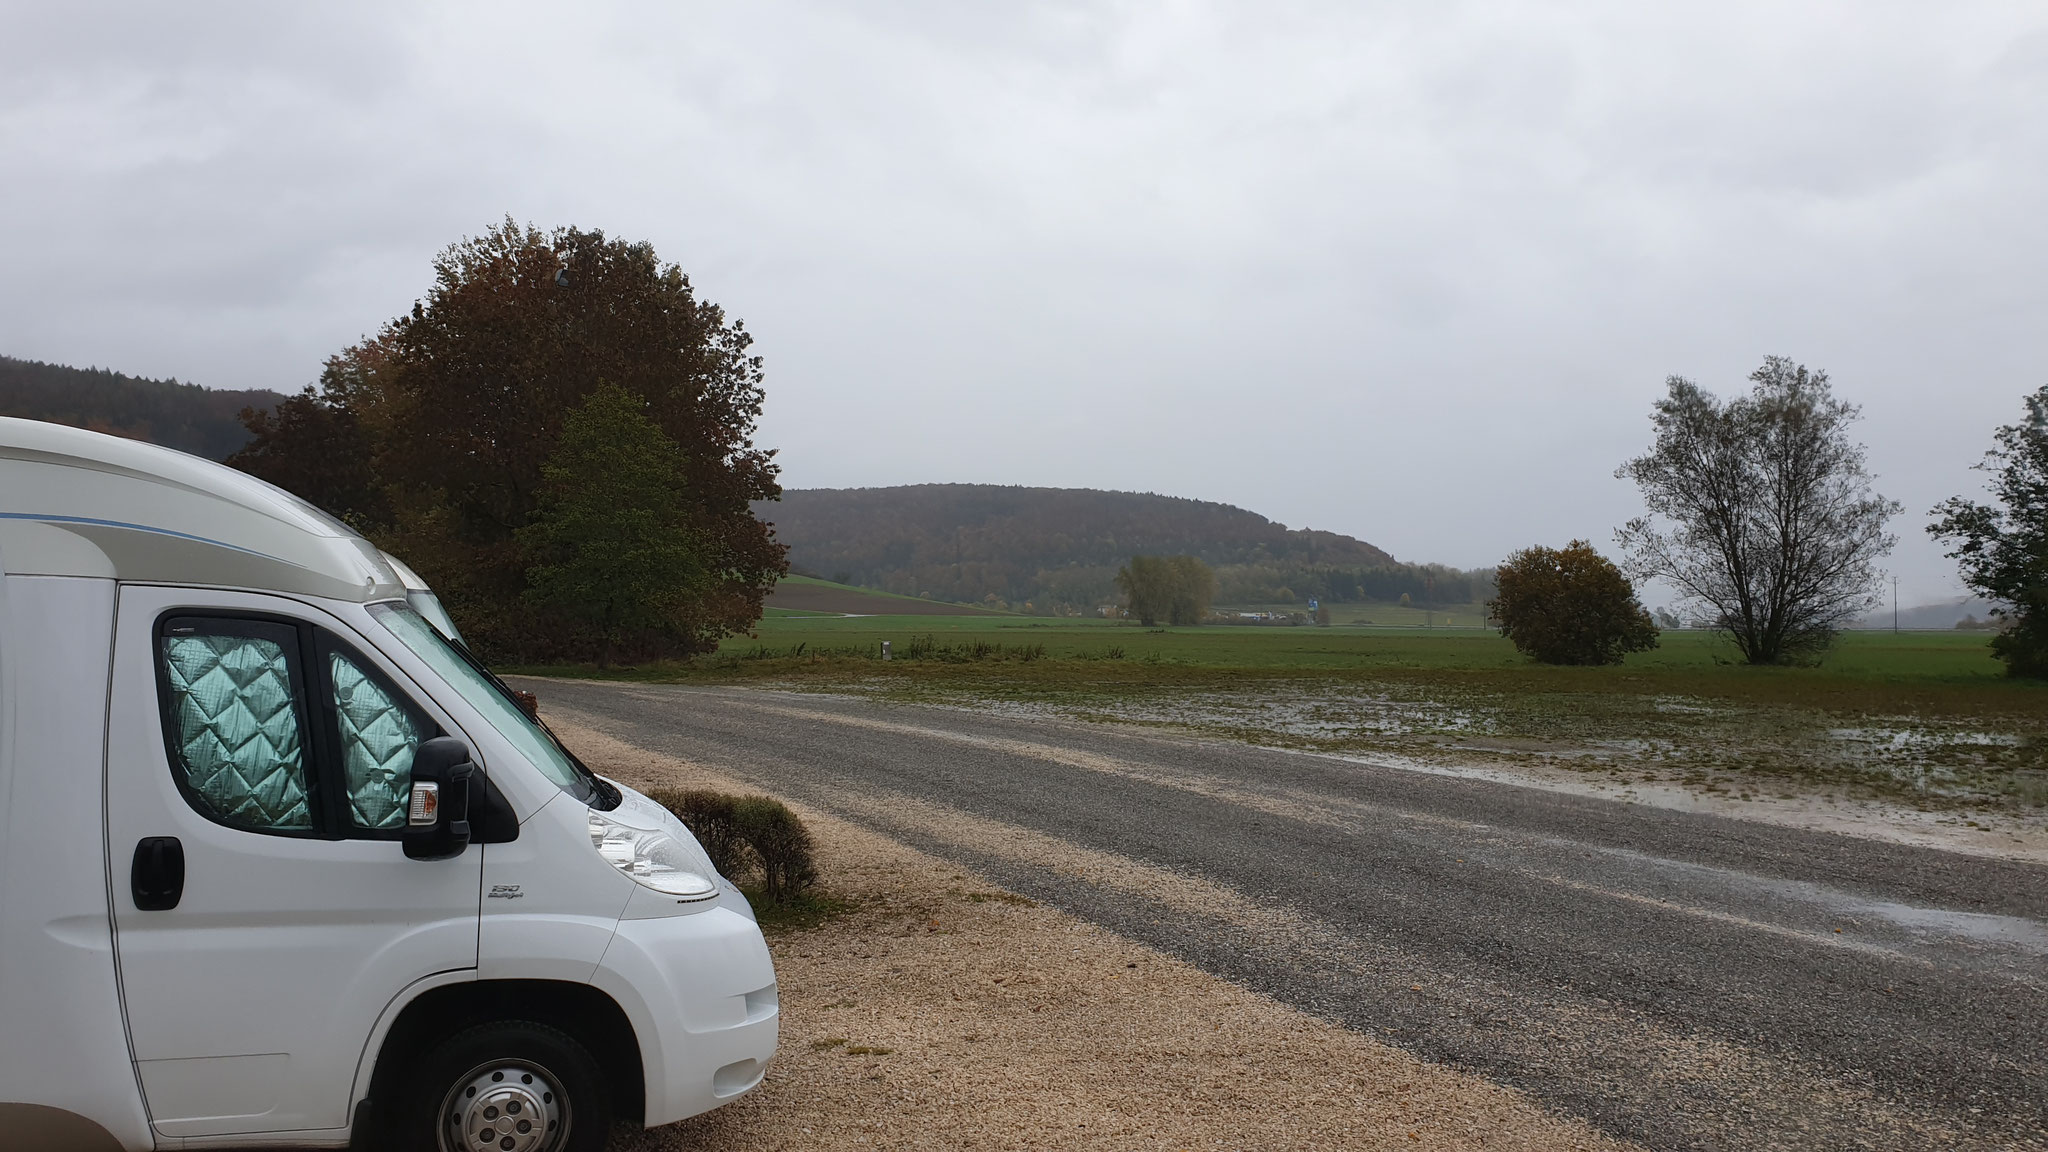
(1948, 673)
(1920, 657)
(1928, 716)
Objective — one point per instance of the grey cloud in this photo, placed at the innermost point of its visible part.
(1413, 272)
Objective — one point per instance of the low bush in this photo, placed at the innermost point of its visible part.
(748, 838)
(927, 647)
(782, 846)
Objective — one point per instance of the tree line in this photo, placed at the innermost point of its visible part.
(188, 417)
(1061, 548)
(1379, 583)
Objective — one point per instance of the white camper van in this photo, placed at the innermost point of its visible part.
(282, 866)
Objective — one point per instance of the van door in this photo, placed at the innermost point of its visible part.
(265, 912)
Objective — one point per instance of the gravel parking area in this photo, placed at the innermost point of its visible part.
(943, 1012)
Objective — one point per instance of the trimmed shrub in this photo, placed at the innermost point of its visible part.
(781, 844)
(748, 837)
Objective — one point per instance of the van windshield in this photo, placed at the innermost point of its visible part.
(429, 607)
(488, 695)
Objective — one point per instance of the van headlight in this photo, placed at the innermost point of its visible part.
(655, 857)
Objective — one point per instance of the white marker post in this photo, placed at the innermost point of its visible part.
(885, 649)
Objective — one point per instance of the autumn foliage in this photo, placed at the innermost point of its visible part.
(440, 432)
(1570, 605)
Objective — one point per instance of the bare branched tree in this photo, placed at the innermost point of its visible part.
(1773, 527)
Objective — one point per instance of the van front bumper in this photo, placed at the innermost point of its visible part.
(699, 989)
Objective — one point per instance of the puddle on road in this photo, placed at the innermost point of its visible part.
(1978, 927)
(1804, 904)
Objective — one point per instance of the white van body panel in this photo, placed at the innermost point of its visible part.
(546, 918)
(249, 1002)
(257, 1009)
(63, 1043)
(366, 1064)
(82, 504)
(694, 977)
(715, 968)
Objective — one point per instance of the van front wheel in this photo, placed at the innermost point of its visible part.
(510, 1086)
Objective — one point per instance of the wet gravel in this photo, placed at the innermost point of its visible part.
(1682, 980)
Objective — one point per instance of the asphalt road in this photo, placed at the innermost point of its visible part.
(1685, 981)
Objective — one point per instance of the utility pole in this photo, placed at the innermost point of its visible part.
(1895, 605)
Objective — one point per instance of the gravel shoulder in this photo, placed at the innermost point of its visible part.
(942, 1011)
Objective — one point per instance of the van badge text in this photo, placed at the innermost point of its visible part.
(505, 892)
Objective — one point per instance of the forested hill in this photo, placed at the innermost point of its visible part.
(187, 417)
(971, 542)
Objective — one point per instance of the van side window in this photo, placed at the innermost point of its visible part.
(378, 738)
(234, 716)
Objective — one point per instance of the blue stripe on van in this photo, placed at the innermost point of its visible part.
(55, 519)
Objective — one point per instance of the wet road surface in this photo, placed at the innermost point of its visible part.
(1683, 980)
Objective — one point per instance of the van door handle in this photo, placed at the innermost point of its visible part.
(157, 878)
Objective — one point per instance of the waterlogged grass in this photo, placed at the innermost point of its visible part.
(1922, 715)
(1734, 745)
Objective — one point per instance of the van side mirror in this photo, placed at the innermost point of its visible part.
(437, 818)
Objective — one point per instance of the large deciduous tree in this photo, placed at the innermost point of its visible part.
(1175, 588)
(461, 402)
(1773, 526)
(2003, 547)
(1569, 605)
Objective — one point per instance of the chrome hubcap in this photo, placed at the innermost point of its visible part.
(505, 1106)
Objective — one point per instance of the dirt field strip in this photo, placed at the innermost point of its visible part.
(797, 597)
(944, 1013)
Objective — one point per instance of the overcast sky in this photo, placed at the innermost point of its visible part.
(1411, 272)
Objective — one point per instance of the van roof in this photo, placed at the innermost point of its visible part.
(78, 503)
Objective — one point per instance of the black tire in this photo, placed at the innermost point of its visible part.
(532, 1058)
